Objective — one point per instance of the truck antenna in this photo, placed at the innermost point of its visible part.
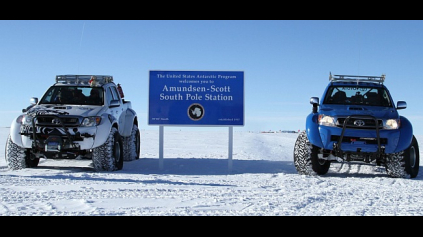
(80, 44)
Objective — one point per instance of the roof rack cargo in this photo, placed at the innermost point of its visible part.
(84, 79)
(350, 78)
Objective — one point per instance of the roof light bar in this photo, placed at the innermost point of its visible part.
(351, 78)
(83, 79)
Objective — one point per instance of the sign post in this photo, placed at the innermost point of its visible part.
(161, 147)
(230, 147)
(196, 98)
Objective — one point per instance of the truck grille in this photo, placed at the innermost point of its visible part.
(359, 123)
(54, 121)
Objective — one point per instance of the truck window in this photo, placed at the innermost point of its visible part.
(115, 93)
(357, 95)
(109, 95)
(54, 95)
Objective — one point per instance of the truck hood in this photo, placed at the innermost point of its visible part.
(348, 110)
(84, 111)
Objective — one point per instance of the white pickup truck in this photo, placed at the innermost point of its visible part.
(79, 117)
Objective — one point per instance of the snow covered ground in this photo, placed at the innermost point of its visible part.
(195, 181)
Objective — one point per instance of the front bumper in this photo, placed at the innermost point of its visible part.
(359, 140)
(69, 139)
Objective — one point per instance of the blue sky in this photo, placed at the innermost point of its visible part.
(285, 62)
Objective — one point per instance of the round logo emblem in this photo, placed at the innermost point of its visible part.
(55, 121)
(195, 112)
(359, 123)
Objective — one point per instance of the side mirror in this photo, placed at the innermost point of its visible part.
(33, 100)
(401, 105)
(114, 103)
(315, 102)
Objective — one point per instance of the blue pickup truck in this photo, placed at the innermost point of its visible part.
(357, 121)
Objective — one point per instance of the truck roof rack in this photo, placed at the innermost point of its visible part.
(93, 80)
(350, 78)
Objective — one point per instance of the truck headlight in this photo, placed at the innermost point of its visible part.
(392, 124)
(326, 120)
(25, 119)
(91, 121)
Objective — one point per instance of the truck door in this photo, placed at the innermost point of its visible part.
(112, 94)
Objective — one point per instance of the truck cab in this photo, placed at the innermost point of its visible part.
(357, 120)
(78, 116)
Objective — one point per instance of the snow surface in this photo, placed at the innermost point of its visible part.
(195, 181)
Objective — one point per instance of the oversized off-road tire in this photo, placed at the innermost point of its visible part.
(131, 145)
(18, 158)
(109, 156)
(306, 160)
(404, 164)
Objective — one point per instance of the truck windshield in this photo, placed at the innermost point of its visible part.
(357, 95)
(73, 95)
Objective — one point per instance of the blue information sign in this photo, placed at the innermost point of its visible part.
(209, 98)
